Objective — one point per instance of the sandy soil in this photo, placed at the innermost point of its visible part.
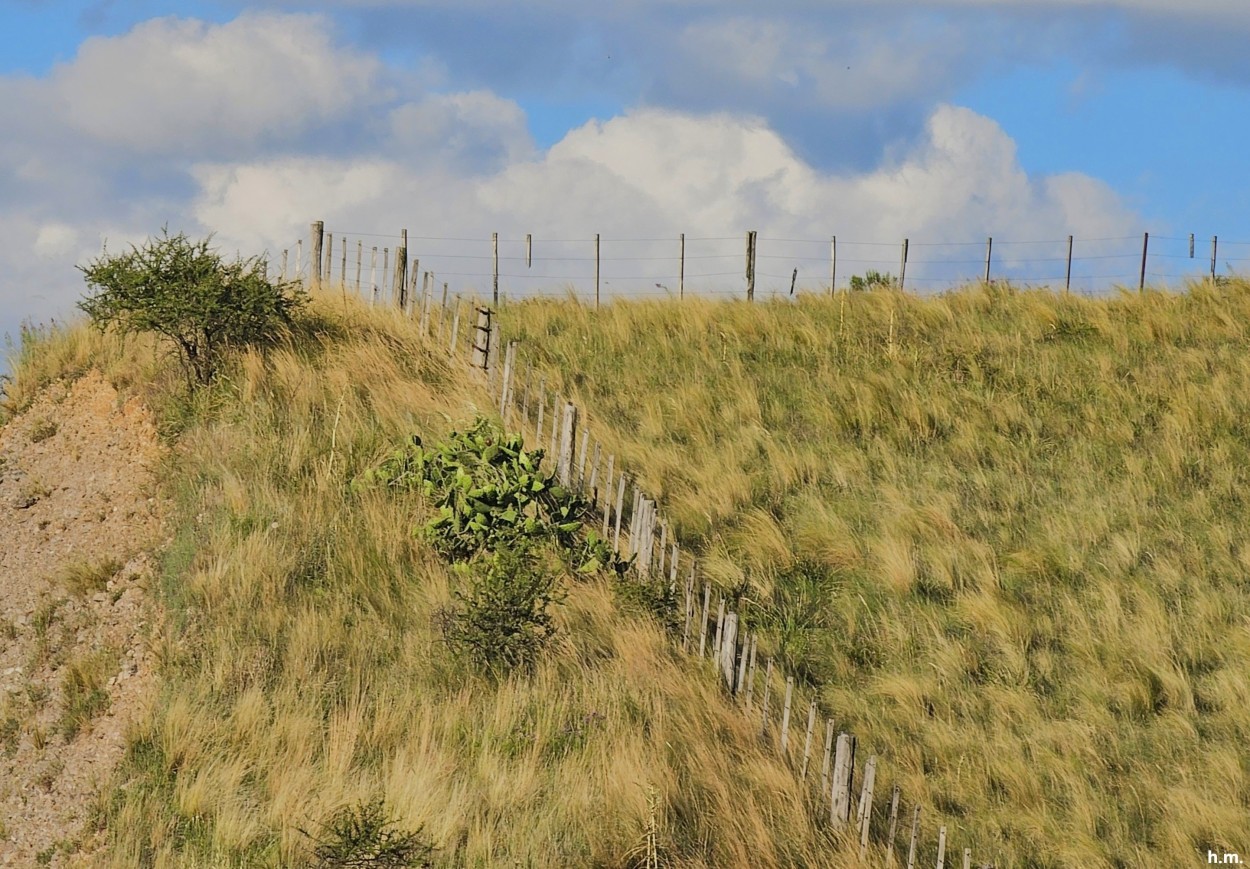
(76, 493)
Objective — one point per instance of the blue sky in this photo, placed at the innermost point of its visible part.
(942, 121)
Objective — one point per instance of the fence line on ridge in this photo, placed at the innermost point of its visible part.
(396, 265)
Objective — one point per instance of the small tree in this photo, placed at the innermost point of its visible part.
(871, 280)
(184, 291)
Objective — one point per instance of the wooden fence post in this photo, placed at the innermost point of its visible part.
(742, 664)
(493, 347)
(681, 269)
(889, 843)
(1141, 283)
(494, 243)
(360, 255)
(592, 486)
(865, 805)
(325, 268)
(720, 628)
(1215, 241)
(755, 638)
(751, 265)
(399, 284)
(481, 341)
(596, 270)
(824, 767)
(729, 649)
(902, 267)
(620, 504)
(581, 460)
(455, 331)
(941, 857)
(343, 268)
(554, 450)
(807, 740)
(967, 858)
(785, 716)
(685, 633)
(631, 542)
(386, 267)
(989, 253)
(607, 493)
(410, 292)
(833, 264)
(707, 608)
(317, 237)
(915, 833)
(427, 304)
(373, 277)
(1067, 281)
(843, 778)
(768, 681)
(568, 435)
(505, 396)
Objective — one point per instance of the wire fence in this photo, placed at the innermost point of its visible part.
(594, 267)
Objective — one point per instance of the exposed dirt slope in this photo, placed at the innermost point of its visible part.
(77, 516)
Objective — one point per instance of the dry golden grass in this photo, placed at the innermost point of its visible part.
(1000, 532)
(302, 670)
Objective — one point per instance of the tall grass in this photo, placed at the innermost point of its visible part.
(1001, 532)
(302, 671)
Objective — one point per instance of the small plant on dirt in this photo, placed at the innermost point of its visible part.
(84, 690)
(364, 837)
(83, 578)
(184, 291)
(42, 429)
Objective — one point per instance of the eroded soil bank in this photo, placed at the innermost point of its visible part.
(78, 518)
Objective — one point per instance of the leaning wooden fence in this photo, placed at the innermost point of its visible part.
(713, 635)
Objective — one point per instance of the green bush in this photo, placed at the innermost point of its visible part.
(363, 837)
(184, 291)
(872, 280)
(501, 620)
(504, 521)
(491, 493)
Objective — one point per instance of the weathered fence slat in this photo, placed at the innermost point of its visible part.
(785, 716)
(729, 649)
(807, 740)
(889, 842)
(768, 679)
(824, 767)
(915, 833)
(865, 805)
(843, 776)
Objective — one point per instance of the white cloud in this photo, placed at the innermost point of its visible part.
(55, 240)
(180, 85)
(652, 174)
(222, 128)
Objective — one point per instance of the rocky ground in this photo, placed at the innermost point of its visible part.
(78, 519)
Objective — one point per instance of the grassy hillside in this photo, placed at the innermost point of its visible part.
(303, 670)
(1002, 532)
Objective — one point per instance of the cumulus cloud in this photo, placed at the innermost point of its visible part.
(652, 174)
(184, 85)
(253, 128)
